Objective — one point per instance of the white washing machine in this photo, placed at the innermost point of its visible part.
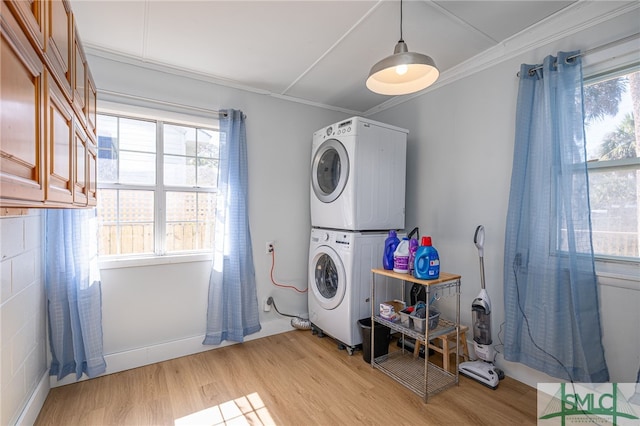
(340, 264)
(358, 173)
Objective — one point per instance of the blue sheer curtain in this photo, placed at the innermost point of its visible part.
(73, 290)
(232, 311)
(552, 319)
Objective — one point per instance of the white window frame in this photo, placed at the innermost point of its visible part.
(615, 272)
(160, 116)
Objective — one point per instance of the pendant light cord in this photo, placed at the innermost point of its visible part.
(401, 40)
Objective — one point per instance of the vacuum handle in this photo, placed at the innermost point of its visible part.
(482, 272)
(478, 239)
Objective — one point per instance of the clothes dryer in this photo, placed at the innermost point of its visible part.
(340, 264)
(358, 172)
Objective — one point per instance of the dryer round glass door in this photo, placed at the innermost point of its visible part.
(330, 170)
(326, 273)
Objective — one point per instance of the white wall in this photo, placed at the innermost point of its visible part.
(460, 153)
(156, 312)
(23, 343)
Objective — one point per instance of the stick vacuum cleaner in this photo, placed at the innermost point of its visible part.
(483, 369)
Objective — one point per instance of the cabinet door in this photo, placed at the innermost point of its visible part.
(59, 46)
(92, 175)
(80, 169)
(31, 15)
(59, 136)
(79, 79)
(21, 109)
(92, 108)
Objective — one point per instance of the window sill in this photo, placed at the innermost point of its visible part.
(618, 274)
(133, 262)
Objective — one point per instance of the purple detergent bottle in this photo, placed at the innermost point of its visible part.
(390, 245)
(413, 248)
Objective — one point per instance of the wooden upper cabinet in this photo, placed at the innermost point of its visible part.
(80, 169)
(92, 175)
(21, 107)
(59, 134)
(92, 105)
(47, 108)
(86, 178)
(79, 79)
(58, 44)
(31, 14)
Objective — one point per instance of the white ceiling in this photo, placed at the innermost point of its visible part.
(317, 51)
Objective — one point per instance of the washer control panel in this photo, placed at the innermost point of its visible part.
(347, 127)
(344, 240)
(329, 236)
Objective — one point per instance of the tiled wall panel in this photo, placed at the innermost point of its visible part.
(22, 312)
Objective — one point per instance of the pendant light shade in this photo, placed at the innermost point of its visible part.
(403, 72)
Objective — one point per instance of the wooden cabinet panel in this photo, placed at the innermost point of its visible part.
(59, 135)
(31, 15)
(80, 169)
(21, 107)
(92, 106)
(92, 175)
(79, 79)
(59, 46)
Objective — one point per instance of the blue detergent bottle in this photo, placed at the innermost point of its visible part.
(427, 262)
(390, 245)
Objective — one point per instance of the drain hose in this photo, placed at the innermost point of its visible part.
(296, 321)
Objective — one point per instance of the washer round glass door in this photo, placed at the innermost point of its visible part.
(330, 170)
(326, 273)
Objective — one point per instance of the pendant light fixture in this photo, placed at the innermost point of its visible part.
(403, 72)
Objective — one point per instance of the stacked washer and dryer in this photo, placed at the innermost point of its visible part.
(357, 195)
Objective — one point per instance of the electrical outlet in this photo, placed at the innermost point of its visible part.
(266, 306)
(269, 247)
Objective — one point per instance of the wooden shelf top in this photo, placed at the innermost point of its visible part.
(443, 278)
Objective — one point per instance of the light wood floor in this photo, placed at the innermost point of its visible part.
(293, 378)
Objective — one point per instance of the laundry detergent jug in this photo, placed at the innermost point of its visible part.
(390, 245)
(413, 248)
(427, 263)
(401, 257)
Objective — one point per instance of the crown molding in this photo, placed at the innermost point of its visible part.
(110, 55)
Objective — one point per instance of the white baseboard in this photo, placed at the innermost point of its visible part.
(35, 402)
(134, 358)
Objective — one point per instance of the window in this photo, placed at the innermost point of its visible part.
(611, 102)
(157, 186)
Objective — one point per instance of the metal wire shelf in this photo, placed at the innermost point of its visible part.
(409, 371)
(417, 374)
(444, 327)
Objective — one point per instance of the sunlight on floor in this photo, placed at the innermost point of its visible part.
(246, 410)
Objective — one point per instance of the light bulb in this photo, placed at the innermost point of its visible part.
(401, 69)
